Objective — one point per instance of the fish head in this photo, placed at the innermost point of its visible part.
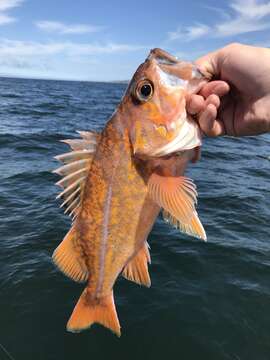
(155, 105)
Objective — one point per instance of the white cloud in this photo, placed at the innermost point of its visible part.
(27, 55)
(189, 33)
(5, 19)
(244, 16)
(251, 8)
(61, 28)
(29, 48)
(63, 59)
(9, 4)
(251, 15)
(6, 5)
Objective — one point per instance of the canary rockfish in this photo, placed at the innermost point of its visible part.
(117, 181)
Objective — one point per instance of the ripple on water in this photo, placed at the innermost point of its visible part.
(207, 300)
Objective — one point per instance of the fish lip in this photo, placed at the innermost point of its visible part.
(162, 56)
(181, 74)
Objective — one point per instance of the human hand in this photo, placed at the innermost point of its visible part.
(237, 101)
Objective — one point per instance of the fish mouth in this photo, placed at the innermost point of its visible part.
(178, 73)
(162, 56)
(174, 75)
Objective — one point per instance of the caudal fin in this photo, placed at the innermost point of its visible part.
(88, 311)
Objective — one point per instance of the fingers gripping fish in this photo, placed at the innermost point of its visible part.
(115, 183)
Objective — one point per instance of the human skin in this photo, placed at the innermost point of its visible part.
(237, 101)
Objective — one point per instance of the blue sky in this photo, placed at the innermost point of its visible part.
(107, 40)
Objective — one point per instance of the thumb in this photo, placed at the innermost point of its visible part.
(209, 64)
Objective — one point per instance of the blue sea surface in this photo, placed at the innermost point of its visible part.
(207, 300)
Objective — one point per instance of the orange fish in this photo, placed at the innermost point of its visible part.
(116, 182)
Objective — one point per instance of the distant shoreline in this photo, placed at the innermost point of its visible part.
(66, 80)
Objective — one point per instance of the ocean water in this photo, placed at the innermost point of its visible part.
(207, 300)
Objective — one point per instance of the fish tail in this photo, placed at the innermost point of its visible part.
(89, 311)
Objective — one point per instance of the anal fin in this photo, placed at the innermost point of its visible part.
(137, 268)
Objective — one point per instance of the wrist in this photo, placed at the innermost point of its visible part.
(262, 114)
(266, 114)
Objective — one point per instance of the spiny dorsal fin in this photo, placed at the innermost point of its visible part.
(177, 196)
(90, 135)
(137, 269)
(74, 172)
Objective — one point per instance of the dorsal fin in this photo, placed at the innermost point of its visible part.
(74, 172)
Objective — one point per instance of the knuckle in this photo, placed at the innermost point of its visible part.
(234, 46)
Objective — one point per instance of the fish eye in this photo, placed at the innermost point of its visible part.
(144, 90)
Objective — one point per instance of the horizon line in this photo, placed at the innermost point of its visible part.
(6, 76)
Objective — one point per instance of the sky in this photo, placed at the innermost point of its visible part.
(107, 40)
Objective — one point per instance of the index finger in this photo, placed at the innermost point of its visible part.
(216, 87)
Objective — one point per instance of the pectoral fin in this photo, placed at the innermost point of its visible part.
(137, 268)
(194, 228)
(178, 197)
